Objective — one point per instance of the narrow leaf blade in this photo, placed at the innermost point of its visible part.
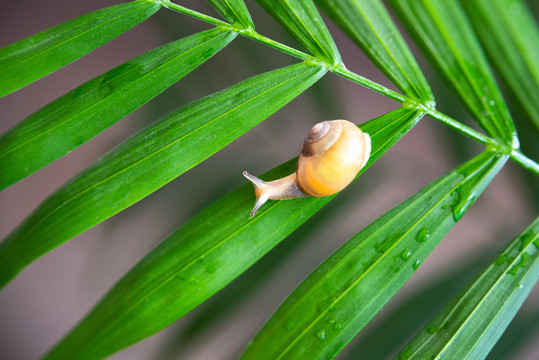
(341, 296)
(391, 331)
(84, 112)
(234, 11)
(445, 35)
(194, 263)
(30, 59)
(303, 21)
(151, 159)
(473, 321)
(510, 36)
(369, 25)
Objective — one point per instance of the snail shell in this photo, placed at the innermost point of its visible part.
(333, 154)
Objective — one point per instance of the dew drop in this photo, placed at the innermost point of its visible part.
(406, 353)
(416, 264)
(524, 260)
(454, 198)
(383, 246)
(422, 235)
(336, 350)
(331, 355)
(405, 255)
(321, 335)
(526, 239)
(461, 206)
(502, 259)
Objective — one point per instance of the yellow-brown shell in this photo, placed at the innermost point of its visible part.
(332, 155)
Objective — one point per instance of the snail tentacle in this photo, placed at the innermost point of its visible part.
(280, 189)
(333, 153)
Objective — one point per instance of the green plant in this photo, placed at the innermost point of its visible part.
(217, 245)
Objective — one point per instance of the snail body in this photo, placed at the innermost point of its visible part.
(333, 154)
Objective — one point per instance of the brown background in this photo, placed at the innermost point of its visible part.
(54, 293)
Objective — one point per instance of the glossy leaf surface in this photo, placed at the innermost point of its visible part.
(393, 328)
(303, 21)
(342, 295)
(369, 25)
(84, 112)
(151, 159)
(234, 11)
(446, 36)
(510, 36)
(30, 59)
(194, 263)
(473, 321)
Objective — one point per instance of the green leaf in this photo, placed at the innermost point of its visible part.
(369, 25)
(234, 11)
(340, 297)
(444, 33)
(151, 159)
(473, 321)
(303, 21)
(84, 112)
(510, 35)
(391, 330)
(193, 263)
(30, 59)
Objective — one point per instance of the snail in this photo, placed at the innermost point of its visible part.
(333, 154)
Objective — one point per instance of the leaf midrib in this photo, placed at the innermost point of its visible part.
(191, 263)
(479, 304)
(66, 202)
(390, 53)
(2, 68)
(308, 32)
(347, 289)
(460, 61)
(113, 95)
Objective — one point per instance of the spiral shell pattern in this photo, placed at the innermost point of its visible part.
(333, 154)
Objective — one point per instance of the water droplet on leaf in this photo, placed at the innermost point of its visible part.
(422, 235)
(405, 255)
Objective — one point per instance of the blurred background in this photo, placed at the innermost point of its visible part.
(50, 296)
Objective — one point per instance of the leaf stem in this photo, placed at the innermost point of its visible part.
(460, 127)
(524, 161)
(344, 72)
(251, 34)
(182, 9)
(341, 70)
